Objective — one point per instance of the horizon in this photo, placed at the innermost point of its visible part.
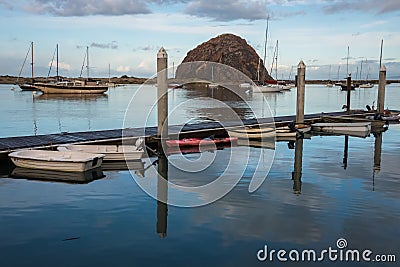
(128, 34)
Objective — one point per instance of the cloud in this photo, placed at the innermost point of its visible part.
(6, 4)
(69, 8)
(369, 6)
(228, 10)
(123, 69)
(112, 45)
(61, 65)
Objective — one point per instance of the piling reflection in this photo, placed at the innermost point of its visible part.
(346, 151)
(377, 157)
(298, 166)
(162, 195)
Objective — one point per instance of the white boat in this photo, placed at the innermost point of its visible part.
(252, 133)
(245, 85)
(338, 127)
(366, 85)
(66, 161)
(110, 152)
(270, 88)
(285, 133)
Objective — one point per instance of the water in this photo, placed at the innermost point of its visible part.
(21, 114)
(112, 222)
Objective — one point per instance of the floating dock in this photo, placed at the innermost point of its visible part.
(49, 141)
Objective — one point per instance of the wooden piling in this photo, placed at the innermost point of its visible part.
(348, 93)
(301, 86)
(162, 93)
(381, 89)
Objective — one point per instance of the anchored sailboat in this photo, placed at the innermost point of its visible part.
(75, 86)
(27, 86)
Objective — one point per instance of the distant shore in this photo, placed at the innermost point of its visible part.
(6, 79)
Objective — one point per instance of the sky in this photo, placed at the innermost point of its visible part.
(125, 35)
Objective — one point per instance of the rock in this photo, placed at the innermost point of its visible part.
(227, 49)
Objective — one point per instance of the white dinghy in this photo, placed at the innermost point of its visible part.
(56, 160)
(111, 152)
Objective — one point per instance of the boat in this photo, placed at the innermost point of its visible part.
(66, 161)
(268, 88)
(72, 87)
(111, 152)
(288, 133)
(201, 142)
(58, 176)
(76, 86)
(376, 125)
(338, 127)
(329, 83)
(27, 86)
(366, 84)
(252, 133)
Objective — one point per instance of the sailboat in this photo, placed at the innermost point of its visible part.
(266, 88)
(366, 84)
(27, 86)
(329, 84)
(75, 86)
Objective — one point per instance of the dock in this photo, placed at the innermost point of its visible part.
(203, 129)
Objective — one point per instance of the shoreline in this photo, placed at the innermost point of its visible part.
(6, 79)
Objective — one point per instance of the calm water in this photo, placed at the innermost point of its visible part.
(112, 222)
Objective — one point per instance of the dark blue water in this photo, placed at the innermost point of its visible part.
(112, 222)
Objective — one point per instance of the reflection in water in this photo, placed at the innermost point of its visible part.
(298, 166)
(162, 196)
(58, 176)
(71, 97)
(346, 151)
(377, 157)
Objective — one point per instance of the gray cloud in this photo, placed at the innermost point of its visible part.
(112, 45)
(227, 10)
(370, 6)
(89, 7)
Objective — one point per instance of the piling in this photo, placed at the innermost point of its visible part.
(348, 93)
(381, 89)
(298, 166)
(162, 93)
(301, 87)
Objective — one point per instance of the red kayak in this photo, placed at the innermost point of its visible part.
(200, 142)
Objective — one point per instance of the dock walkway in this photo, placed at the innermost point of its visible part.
(9, 144)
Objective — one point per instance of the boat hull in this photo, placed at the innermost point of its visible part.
(56, 160)
(62, 89)
(356, 127)
(110, 152)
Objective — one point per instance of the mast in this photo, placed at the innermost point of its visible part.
(347, 64)
(361, 70)
(87, 61)
(258, 70)
(338, 70)
(57, 63)
(32, 62)
(330, 68)
(276, 61)
(109, 73)
(265, 46)
(380, 58)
